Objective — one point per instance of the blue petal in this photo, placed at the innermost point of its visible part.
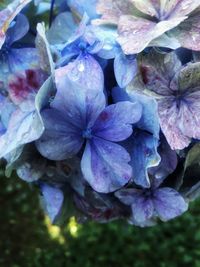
(17, 31)
(143, 151)
(61, 139)
(79, 7)
(105, 165)
(53, 200)
(115, 121)
(125, 69)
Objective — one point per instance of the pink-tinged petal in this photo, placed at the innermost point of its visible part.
(136, 33)
(178, 8)
(170, 121)
(115, 121)
(169, 203)
(111, 10)
(149, 7)
(24, 84)
(189, 115)
(61, 139)
(156, 71)
(8, 14)
(80, 100)
(187, 33)
(105, 165)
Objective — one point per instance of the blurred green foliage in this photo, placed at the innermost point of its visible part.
(27, 239)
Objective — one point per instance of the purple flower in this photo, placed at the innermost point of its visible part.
(178, 95)
(143, 23)
(78, 115)
(165, 203)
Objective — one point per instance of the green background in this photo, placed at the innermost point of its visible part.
(27, 238)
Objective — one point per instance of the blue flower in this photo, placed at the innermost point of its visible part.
(15, 57)
(77, 118)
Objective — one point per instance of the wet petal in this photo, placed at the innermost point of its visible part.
(80, 99)
(105, 165)
(136, 33)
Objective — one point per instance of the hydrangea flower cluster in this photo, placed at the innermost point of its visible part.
(100, 106)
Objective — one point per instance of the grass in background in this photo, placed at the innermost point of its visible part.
(27, 239)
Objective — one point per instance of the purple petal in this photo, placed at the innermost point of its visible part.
(61, 139)
(169, 203)
(105, 165)
(125, 69)
(172, 119)
(187, 34)
(115, 121)
(142, 209)
(7, 15)
(136, 33)
(128, 196)
(142, 206)
(180, 8)
(112, 10)
(53, 199)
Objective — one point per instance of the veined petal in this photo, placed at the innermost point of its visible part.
(187, 33)
(115, 121)
(60, 140)
(79, 93)
(105, 165)
(169, 203)
(136, 33)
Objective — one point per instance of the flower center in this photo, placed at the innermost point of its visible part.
(87, 133)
